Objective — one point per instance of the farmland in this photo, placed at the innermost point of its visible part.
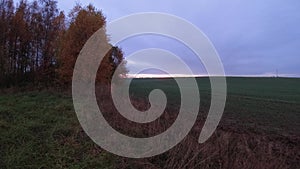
(260, 128)
(271, 104)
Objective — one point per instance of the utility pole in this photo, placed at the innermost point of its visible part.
(276, 73)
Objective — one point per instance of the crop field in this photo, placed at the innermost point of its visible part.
(271, 104)
(41, 130)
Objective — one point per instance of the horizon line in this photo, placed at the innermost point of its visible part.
(205, 75)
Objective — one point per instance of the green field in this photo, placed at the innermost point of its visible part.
(270, 104)
(40, 129)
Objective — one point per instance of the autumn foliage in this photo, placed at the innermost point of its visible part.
(39, 44)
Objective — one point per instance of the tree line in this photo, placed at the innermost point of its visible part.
(39, 44)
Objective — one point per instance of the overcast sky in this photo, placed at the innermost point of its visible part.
(252, 37)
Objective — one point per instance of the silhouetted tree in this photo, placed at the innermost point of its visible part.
(6, 15)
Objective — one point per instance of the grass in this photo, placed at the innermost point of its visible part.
(269, 104)
(276, 89)
(41, 130)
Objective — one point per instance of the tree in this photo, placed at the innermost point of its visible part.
(37, 27)
(29, 41)
(51, 30)
(6, 14)
(19, 43)
(38, 47)
(109, 65)
(84, 23)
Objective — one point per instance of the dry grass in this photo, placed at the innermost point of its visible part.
(40, 130)
(229, 147)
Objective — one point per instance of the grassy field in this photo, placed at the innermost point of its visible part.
(40, 129)
(269, 104)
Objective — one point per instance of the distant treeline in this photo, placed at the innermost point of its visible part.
(39, 44)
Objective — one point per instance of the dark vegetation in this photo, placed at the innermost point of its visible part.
(39, 44)
(41, 130)
(258, 130)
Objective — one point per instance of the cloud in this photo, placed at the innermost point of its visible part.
(251, 37)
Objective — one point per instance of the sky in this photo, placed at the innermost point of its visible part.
(252, 38)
